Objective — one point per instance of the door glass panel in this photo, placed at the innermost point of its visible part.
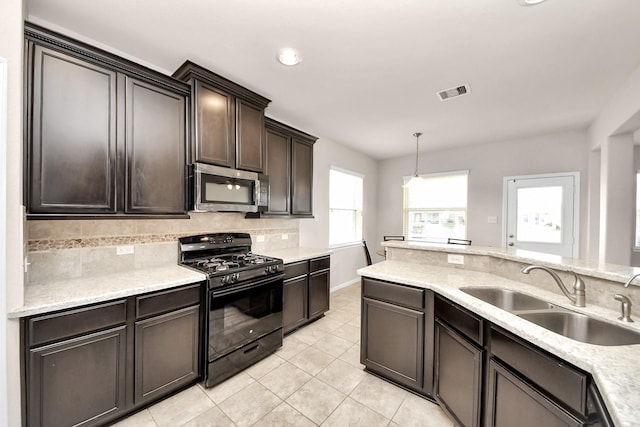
(539, 215)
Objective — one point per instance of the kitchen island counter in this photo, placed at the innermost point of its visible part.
(613, 368)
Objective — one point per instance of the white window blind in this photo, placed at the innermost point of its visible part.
(345, 207)
(436, 208)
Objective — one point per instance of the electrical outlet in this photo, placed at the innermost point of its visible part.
(124, 250)
(492, 219)
(260, 238)
(285, 236)
(455, 259)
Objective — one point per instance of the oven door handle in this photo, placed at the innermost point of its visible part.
(233, 289)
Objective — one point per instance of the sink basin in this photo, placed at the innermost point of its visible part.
(583, 328)
(507, 299)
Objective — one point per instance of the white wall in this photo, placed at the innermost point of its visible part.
(487, 165)
(11, 46)
(617, 121)
(315, 232)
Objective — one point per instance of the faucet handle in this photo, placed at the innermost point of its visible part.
(625, 313)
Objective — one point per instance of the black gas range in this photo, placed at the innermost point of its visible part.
(226, 258)
(244, 301)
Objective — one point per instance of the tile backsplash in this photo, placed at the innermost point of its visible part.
(67, 249)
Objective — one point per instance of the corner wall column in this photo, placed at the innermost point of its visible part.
(616, 200)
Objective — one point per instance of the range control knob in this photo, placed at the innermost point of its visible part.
(235, 277)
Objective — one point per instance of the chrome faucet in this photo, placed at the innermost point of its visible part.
(625, 314)
(578, 296)
(626, 285)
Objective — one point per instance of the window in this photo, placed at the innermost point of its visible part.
(345, 207)
(436, 207)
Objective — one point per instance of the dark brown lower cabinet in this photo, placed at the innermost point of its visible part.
(513, 402)
(386, 329)
(166, 355)
(79, 381)
(397, 333)
(91, 365)
(479, 373)
(318, 293)
(294, 312)
(306, 292)
(458, 375)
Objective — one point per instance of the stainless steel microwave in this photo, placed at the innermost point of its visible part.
(215, 188)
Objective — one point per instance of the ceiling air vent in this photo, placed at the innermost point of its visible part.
(453, 92)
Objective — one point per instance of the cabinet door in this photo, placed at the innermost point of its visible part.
(278, 169)
(250, 142)
(318, 293)
(458, 374)
(301, 178)
(513, 402)
(214, 126)
(294, 311)
(72, 151)
(393, 342)
(80, 381)
(155, 147)
(167, 353)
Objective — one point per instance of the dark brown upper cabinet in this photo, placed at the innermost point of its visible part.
(289, 166)
(104, 137)
(227, 122)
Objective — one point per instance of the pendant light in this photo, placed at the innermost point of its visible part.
(415, 178)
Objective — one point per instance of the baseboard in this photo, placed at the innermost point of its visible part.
(344, 285)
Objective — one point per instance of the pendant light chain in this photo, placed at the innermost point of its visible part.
(417, 135)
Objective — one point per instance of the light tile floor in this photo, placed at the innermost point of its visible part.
(315, 379)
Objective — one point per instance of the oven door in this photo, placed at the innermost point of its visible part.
(242, 314)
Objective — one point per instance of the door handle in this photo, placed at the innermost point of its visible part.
(510, 243)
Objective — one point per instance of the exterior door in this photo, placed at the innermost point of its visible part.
(541, 213)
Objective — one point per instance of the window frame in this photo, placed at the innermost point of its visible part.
(358, 212)
(406, 210)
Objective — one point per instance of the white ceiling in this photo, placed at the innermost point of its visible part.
(371, 68)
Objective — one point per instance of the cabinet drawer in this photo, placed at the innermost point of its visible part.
(296, 269)
(318, 264)
(460, 318)
(396, 294)
(550, 374)
(68, 324)
(162, 302)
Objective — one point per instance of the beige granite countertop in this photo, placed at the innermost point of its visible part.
(614, 368)
(297, 254)
(55, 296)
(49, 297)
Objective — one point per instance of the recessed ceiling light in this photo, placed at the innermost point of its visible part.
(289, 57)
(529, 2)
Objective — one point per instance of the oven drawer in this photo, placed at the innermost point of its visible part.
(232, 363)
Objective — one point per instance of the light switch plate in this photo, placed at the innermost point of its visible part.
(285, 236)
(260, 238)
(124, 250)
(455, 259)
(492, 219)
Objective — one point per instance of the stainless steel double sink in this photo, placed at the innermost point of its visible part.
(571, 324)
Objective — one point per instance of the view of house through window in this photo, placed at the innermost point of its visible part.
(345, 207)
(436, 207)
